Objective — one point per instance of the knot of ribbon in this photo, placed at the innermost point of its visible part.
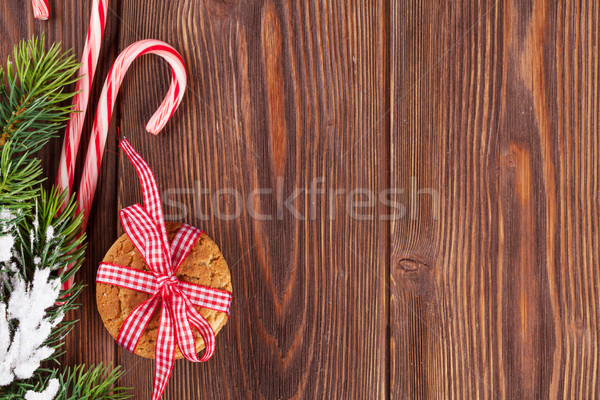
(145, 227)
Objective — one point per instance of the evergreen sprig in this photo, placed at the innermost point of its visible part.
(95, 383)
(32, 110)
(20, 177)
(33, 98)
(78, 383)
(63, 248)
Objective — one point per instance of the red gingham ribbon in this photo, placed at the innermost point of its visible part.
(145, 227)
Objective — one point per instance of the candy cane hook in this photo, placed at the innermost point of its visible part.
(40, 9)
(106, 103)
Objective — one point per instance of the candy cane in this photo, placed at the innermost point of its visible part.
(40, 9)
(104, 111)
(106, 103)
(89, 61)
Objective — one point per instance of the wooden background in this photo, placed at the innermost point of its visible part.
(479, 280)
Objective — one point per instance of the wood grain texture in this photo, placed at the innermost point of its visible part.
(278, 91)
(498, 297)
(474, 124)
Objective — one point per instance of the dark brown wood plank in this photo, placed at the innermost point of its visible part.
(496, 109)
(280, 95)
(89, 343)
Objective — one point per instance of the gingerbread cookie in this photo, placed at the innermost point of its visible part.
(204, 266)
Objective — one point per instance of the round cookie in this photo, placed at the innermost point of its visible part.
(204, 266)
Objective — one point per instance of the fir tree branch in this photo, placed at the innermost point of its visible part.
(47, 239)
(56, 245)
(78, 383)
(32, 110)
(32, 94)
(19, 180)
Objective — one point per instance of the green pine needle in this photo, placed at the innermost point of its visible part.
(78, 383)
(32, 110)
(19, 180)
(33, 98)
(95, 383)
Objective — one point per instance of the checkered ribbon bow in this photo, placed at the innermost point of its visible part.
(146, 229)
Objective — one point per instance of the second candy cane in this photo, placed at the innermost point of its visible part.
(40, 9)
(106, 103)
(89, 62)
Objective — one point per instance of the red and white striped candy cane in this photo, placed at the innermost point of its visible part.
(40, 9)
(89, 61)
(106, 103)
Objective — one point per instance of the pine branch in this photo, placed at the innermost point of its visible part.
(50, 240)
(95, 383)
(43, 239)
(47, 239)
(19, 181)
(32, 110)
(78, 383)
(32, 95)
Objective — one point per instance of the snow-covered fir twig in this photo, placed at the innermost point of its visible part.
(31, 327)
(22, 354)
(7, 240)
(48, 394)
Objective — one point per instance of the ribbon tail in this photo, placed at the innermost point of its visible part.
(149, 189)
(203, 327)
(134, 325)
(183, 330)
(165, 351)
(182, 244)
(145, 235)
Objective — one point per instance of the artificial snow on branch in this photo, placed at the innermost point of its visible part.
(48, 394)
(22, 352)
(7, 240)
